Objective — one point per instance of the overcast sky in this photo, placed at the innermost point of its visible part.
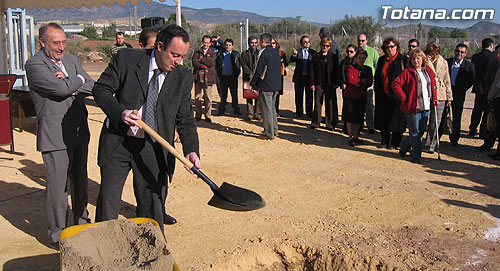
(323, 11)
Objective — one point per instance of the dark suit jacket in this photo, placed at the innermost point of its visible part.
(482, 62)
(235, 62)
(124, 85)
(299, 66)
(270, 64)
(465, 77)
(59, 103)
(317, 74)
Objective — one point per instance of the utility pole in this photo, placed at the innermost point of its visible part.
(241, 36)
(135, 19)
(178, 14)
(246, 33)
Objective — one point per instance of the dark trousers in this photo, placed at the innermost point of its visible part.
(231, 82)
(479, 115)
(331, 110)
(496, 109)
(300, 88)
(391, 138)
(277, 103)
(63, 168)
(148, 165)
(457, 106)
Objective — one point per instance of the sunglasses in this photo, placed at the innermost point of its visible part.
(350, 52)
(460, 52)
(390, 46)
(325, 45)
(361, 40)
(273, 42)
(306, 41)
(412, 46)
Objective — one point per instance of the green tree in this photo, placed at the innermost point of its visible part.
(435, 32)
(90, 32)
(458, 33)
(109, 31)
(172, 20)
(358, 25)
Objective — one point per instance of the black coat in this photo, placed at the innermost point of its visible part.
(482, 61)
(388, 116)
(299, 66)
(317, 74)
(124, 85)
(269, 65)
(235, 62)
(464, 80)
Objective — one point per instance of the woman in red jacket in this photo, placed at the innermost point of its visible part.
(416, 88)
(359, 78)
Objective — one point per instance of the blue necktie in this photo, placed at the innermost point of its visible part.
(151, 100)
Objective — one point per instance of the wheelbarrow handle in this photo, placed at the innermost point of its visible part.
(177, 154)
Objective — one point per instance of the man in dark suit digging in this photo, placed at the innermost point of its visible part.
(154, 83)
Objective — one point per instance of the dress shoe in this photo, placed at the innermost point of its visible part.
(54, 245)
(495, 156)
(351, 142)
(483, 148)
(415, 160)
(380, 146)
(472, 133)
(454, 143)
(359, 141)
(220, 112)
(207, 119)
(389, 147)
(264, 137)
(329, 128)
(168, 220)
(298, 115)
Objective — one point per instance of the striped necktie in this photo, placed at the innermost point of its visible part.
(151, 100)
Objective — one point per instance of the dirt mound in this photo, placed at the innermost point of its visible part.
(117, 245)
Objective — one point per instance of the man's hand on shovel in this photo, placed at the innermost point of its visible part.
(131, 118)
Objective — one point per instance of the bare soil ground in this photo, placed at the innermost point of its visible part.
(329, 206)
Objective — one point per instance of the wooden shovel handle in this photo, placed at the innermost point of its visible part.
(164, 143)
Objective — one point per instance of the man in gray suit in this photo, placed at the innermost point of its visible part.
(58, 85)
(153, 82)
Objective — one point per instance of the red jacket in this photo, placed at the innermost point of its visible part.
(405, 86)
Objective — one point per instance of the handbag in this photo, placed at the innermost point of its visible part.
(248, 92)
(448, 123)
(491, 124)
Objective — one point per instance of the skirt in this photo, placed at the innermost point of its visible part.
(354, 110)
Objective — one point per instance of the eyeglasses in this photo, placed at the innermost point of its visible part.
(306, 41)
(412, 46)
(361, 40)
(325, 45)
(390, 46)
(350, 52)
(460, 52)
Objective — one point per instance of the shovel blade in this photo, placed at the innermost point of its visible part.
(235, 198)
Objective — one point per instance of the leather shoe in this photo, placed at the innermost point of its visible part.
(264, 137)
(168, 220)
(483, 148)
(207, 119)
(220, 113)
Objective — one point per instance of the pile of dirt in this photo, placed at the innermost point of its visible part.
(117, 245)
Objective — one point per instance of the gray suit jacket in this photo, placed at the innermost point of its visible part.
(124, 85)
(59, 103)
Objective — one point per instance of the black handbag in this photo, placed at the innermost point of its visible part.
(447, 122)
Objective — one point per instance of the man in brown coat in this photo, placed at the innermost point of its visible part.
(204, 79)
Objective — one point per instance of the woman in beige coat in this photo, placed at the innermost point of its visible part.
(444, 94)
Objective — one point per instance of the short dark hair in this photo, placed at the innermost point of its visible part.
(268, 38)
(147, 33)
(252, 38)
(497, 47)
(229, 40)
(387, 41)
(487, 42)
(169, 32)
(303, 37)
(119, 33)
(461, 45)
(324, 31)
(206, 37)
(414, 40)
(42, 32)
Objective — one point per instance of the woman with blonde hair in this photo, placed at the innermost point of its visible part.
(323, 76)
(444, 94)
(416, 87)
(276, 45)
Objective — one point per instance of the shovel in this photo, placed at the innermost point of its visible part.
(227, 196)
